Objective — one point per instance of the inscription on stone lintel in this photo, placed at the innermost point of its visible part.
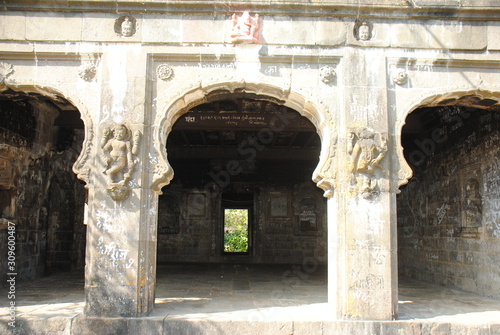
(207, 120)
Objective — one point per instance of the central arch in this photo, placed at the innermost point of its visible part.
(180, 111)
(317, 114)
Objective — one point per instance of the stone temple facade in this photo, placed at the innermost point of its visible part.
(359, 135)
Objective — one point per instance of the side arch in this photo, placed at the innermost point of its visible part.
(480, 99)
(313, 111)
(80, 167)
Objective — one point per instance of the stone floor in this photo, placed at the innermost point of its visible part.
(243, 299)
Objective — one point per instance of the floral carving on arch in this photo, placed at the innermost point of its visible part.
(162, 172)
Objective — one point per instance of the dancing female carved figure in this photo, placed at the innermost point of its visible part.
(366, 156)
(118, 152)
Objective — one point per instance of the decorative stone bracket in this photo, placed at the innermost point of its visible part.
(367, 150)
(162, 174)
(5, 71)
(119, 147)
(326, 177)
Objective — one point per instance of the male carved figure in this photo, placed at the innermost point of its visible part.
(365, 159)
(245, 28)
(127, 27)
(364, 31)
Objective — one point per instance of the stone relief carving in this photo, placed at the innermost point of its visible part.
(363, 30)
(472, 206)
(87, 71)
(119, 149)
(164, 72)
(245, 28)
(307, 210)
(125, 26)
(470, 200)
(368, 151)
(5, 71)
(400, 77)
(327, 74)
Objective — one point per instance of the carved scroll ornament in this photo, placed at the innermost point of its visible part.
(368, 151)
(119, 149)
(326, 177)
(5, 71)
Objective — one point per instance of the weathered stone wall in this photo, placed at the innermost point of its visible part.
(146, 63)
(277, 234)
(449, 230)
(40, 194)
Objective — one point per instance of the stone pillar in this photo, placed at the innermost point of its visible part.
(362, 254)
(362, 282)
(120, 271)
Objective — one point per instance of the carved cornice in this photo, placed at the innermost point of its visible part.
(418, 9)
(425, 64)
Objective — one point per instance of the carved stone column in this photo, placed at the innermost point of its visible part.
(121, 234)
(120, 270)
(362, 278)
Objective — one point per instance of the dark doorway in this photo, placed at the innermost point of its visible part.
(248, 155)
(447, 212)
(41, 137)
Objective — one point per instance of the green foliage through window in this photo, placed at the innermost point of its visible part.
(235, 230)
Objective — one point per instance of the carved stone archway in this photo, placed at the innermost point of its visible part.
(40, 165)
(314, 112)
(451, 148)
(81, 167)
(324, 174)
(445, 97)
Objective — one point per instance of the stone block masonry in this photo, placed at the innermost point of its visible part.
(448, 214)
(130, 70)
